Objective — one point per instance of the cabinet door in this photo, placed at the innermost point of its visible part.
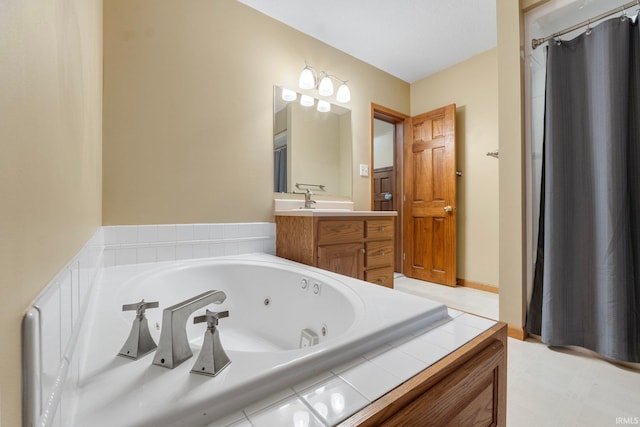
(346, 258)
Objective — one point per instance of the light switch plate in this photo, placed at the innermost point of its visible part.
(364, 170)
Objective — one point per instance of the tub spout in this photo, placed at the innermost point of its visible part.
(173, 348)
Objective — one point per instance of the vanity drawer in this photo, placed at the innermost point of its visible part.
(379, 253)
(380, 276)
(339, 231)
(380, 228)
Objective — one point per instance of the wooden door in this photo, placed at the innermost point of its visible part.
(345, 258)
(383, 189)
(430, 191)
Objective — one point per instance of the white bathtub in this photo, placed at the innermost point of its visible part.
(269, 306)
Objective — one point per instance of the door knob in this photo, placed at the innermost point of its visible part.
(448, 208)
(388, 196)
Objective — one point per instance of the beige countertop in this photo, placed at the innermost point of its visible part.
(332, 212)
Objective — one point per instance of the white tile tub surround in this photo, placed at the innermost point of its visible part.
(137, 244)
(50, 330)
(330, 397)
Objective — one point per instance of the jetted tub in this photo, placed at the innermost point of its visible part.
(270, 302)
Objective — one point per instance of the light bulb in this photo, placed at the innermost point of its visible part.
(306, 100)
(307, 79)
(326, 86)
(344, 94)
(288, 95)
(323, 106)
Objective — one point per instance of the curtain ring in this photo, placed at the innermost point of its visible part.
(556, 38)
(588, 32)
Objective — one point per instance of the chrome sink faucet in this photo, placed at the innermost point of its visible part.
(173, 348)
(308, 203)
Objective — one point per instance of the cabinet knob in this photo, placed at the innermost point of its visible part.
(363, 250)
(381, 279)
(381, 253)
(381, 228)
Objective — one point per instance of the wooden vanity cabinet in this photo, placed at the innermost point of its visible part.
(356, 246)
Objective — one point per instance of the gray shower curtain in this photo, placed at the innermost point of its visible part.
(587, 277)
(280, 170)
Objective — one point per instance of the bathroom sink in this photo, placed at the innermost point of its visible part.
(327, 212)
(297, 205)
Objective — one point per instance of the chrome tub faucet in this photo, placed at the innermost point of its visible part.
(173, 348)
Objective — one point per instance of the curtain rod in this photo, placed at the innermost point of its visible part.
(537, 42)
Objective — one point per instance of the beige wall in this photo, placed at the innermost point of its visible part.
(50, 161)
(473, 86)
(188, 109)
(510, 118)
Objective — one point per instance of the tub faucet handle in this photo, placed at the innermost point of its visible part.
(212, 358)
(139, 341)
(140, 307)
(211, 318)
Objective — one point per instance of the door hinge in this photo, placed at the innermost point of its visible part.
(404, 256)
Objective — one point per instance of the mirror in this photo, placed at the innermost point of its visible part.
(312, 149)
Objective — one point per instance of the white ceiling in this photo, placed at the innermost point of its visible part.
(409, 39)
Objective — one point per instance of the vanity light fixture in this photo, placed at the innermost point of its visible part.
(309, 80)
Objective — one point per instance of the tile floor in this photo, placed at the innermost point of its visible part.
(473, 301)
(554, 387)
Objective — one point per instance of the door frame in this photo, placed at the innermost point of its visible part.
(402, 128)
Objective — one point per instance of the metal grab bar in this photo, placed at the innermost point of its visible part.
(300, 185)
